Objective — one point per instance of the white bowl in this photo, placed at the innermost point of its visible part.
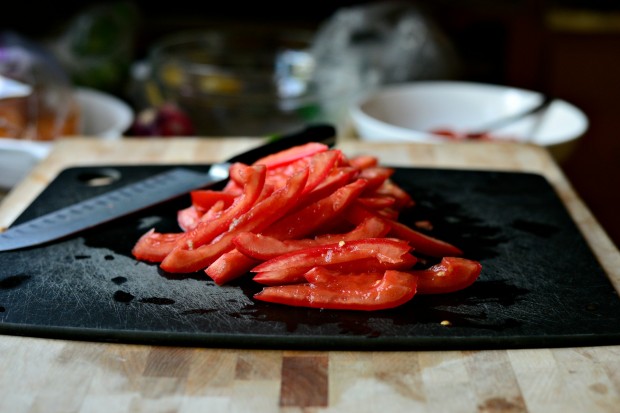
(410, 111)
(101, 116)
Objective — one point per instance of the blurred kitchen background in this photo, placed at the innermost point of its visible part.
(567, 48)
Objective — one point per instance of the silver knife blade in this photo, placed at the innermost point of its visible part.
(140, 195)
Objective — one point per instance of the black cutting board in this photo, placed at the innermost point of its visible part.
(540, 286)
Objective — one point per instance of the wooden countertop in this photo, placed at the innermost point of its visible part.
(44, 375)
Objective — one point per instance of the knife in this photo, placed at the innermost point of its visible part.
(147, 193)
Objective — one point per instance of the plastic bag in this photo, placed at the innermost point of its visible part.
(364, 46)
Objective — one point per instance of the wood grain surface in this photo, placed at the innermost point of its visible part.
(43, 375)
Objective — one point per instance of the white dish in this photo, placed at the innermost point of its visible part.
(410, 111)
(11, 88)
(17, 158)
(101, 116)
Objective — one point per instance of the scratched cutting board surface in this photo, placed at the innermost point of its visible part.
(541, 286)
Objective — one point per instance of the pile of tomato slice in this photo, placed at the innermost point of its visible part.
(317, 229)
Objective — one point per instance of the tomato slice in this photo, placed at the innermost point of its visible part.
(372, 227)
(235, 263)
(288, 268)
(186, 258)
(204, 199)
(384, 249)
(376, 176)
(337, 178)
(291, 155)
(214, 212)
(422, 243)
(237, 174)
(154, 246)
(294, 275)
(362, 292)
(330, 198)
(377, 202)
(305, 221)
(363, 161)
(406, 262)
(229, 266)
(320, 166)
(206, 231)
(264, 247)
(188, 218)
(401, 197)
(316, 228)
(451, 274)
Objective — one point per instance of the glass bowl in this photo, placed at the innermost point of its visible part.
(240, 82)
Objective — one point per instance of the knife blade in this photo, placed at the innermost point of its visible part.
(146, 193)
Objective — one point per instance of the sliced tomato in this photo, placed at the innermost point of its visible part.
(377, 202)
(291, 155)
(384, 249)
(319, 165)
(207, 230)
(154, 246)
(306, 221)
(204, 199)
(264, 247)
(372, 227)
(407, 261)
(337, 178)
(389, 213)
(402, 198)
(376, 176)
(229, 266)
(363, 161)
(288, 267)
(330, 195)
(186, 258)
(318, 229)
(425, 244)
(214, 212)
(235, 263)
(294, 275)
(362, 292)
(188, 218)
(236, 179)
(449, 275)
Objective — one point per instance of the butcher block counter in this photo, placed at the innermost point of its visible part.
(57, 375)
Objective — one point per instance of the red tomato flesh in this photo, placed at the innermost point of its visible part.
(188, 258)
(318, 229)
(291, 155)
(362, 292)
(451, 274)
